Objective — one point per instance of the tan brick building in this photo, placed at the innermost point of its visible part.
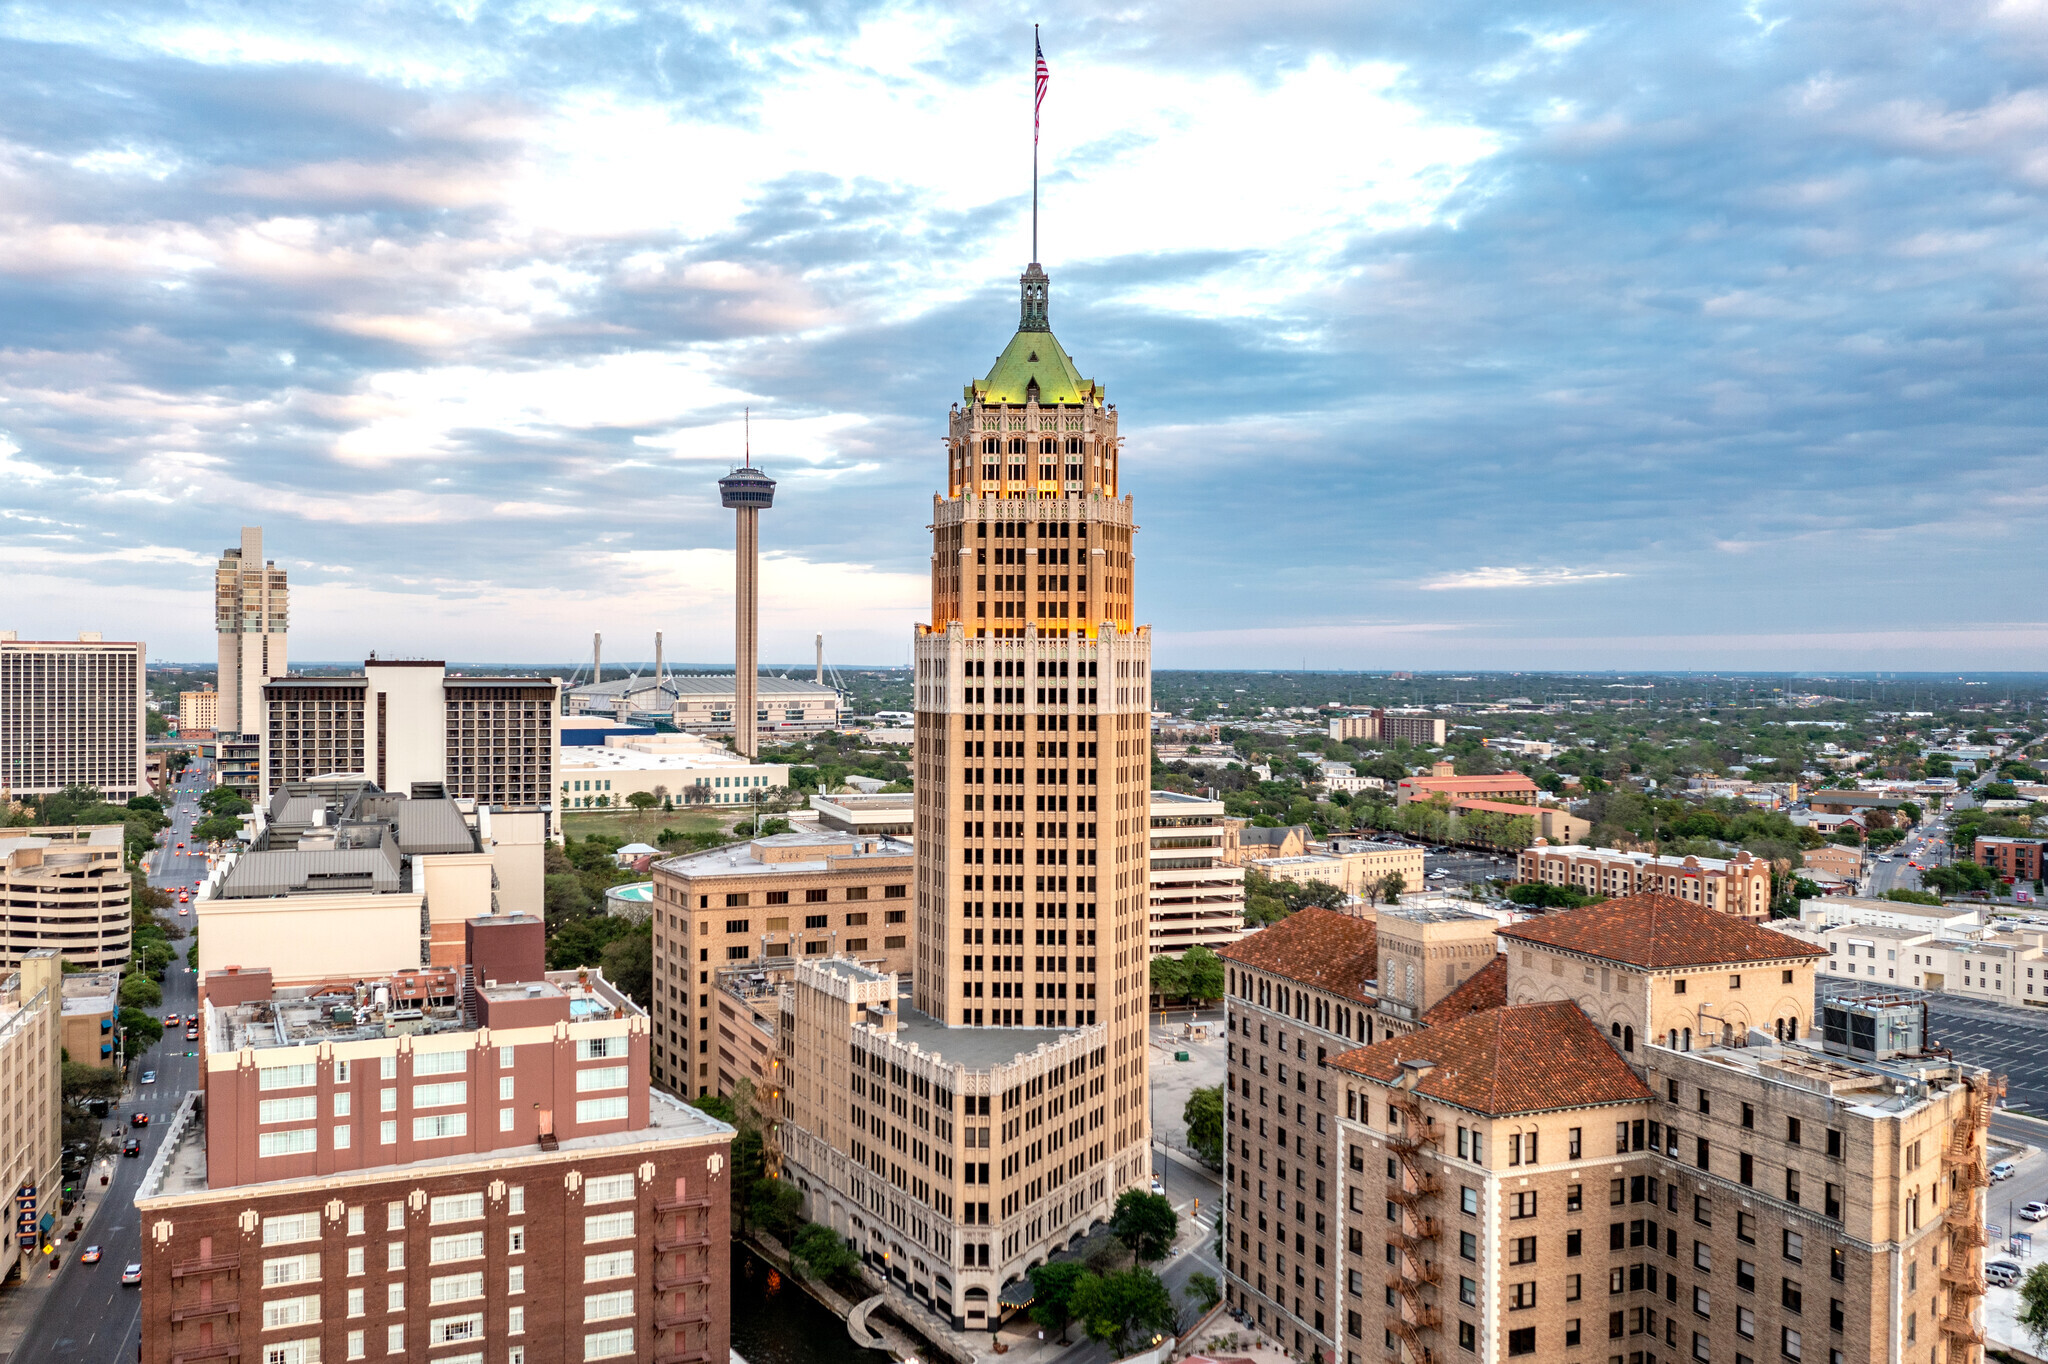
(73, 713)
(1031, 896)
(1621, 1139)
(732, 920)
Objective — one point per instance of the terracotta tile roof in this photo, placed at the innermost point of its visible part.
(1320, 948)
(1487, 988)
(1524, 1058)
(1655, 930)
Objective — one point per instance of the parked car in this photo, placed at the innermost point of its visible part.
(2003, 1273)
(2005, 1169)
(89, 1256)
(2034, 1211)
(132, 1274)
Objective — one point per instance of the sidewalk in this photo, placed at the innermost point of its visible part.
(20, 1303)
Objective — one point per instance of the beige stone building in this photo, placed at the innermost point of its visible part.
(732, 922)
(73, 713)
(66, 889)
(684, 769)
(1626, 1139)
(1196, 896)
(1030, 915)
(1355, 866)
(252, 618)
(31, 1105)
(91, 1014)
(198, 709)
(1738, 885)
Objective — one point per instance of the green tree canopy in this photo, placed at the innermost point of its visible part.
(1204, 1118)
(1125, 1308)
(822, 1253)
(140, 992)
(1145, 1223)
(776, 1206)
(2033, 1305)
(1204, 971)
(1169, 978)
(1052, 1287)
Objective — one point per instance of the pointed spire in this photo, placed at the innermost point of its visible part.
(1032, 312)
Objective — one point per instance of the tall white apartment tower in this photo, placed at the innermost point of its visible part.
(249, 612)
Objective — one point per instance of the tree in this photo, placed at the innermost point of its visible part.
(225, 800)
(1204, 971)
(2033, 1305)
(1204, 1118)
(1145, 1223)
(138, 991)
(1123, 1308)
(84, 1083)
(822, 1253)
(1169, 978)
(145, 803)
(1052, 1294)
(1203, 1291)
(628, 963)
(1391, 887)
(1544, 895)
(143, 1031)
(643, 800)
(776, 1206)
(217, 828)
(1911, 897)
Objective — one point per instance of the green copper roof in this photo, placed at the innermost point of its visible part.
(1034, 356)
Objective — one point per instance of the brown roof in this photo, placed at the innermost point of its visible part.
(1320, 948)
(1487, 988)
(1525, 1058)
(1655, 930)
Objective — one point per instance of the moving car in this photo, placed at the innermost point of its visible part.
(1157, 1187)
(89, 1256)
(132, 1274)
(138, 1120)
(131, 1147)
(149, 1077)
(170, 1020)
(2002, 1273)
(184, 911)
(2034, 1211)
(2005, 1169)
(191, 1034)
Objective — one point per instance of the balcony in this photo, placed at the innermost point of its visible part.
(219, 1264)
(690, 1316)
(220, 1307)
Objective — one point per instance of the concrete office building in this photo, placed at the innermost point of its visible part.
(73, 714)
(405, 722)
(491, 1180)
(1738, 885)
(1424, 731)
(252, 617)
(31, 1106)
(1624, 1135)
(1194, 896)
(198, 709)
(66, 889)
(999, 1109)
(732, 919)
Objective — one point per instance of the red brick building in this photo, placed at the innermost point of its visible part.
(2018, 859)
(486, 1182)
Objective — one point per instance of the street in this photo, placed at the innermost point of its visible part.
(86, 1316)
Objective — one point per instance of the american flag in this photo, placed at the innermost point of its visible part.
(1038, 88)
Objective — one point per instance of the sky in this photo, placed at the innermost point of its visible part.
(1442, 334)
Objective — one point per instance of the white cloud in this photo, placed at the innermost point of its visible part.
(1514, 577)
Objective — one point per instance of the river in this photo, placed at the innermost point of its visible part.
(776, 1322)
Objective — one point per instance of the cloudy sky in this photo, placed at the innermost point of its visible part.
(1445, 334)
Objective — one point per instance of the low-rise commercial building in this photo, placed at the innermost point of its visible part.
(1443, 781)
(91, 1017)
(1841, 861)
(66, 889)
(1738, 885)
(73, 713)
(729, 921)
(2016, 859)
(1196, 897)
(488, 1179)
(891, 814)
(1551, 823)
(681, 770)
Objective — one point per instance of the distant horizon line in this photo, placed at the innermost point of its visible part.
(716, 669)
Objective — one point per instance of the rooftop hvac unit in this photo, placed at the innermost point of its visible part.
(1876, 1029)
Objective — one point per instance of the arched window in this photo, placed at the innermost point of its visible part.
(1688, 1039)
(1792, 1028)
(1628, 1039)
(1616, 1028)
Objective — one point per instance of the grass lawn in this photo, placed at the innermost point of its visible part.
(635, 826)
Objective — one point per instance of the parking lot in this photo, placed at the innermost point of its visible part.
(1462, 866)
(2010, 1042)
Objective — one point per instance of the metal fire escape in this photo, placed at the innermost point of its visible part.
(1962, 1160)
(1415, 1235)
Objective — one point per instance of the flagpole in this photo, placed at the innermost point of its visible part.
(1034, 143)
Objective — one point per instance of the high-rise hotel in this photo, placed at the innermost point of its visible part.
(966, 1129)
